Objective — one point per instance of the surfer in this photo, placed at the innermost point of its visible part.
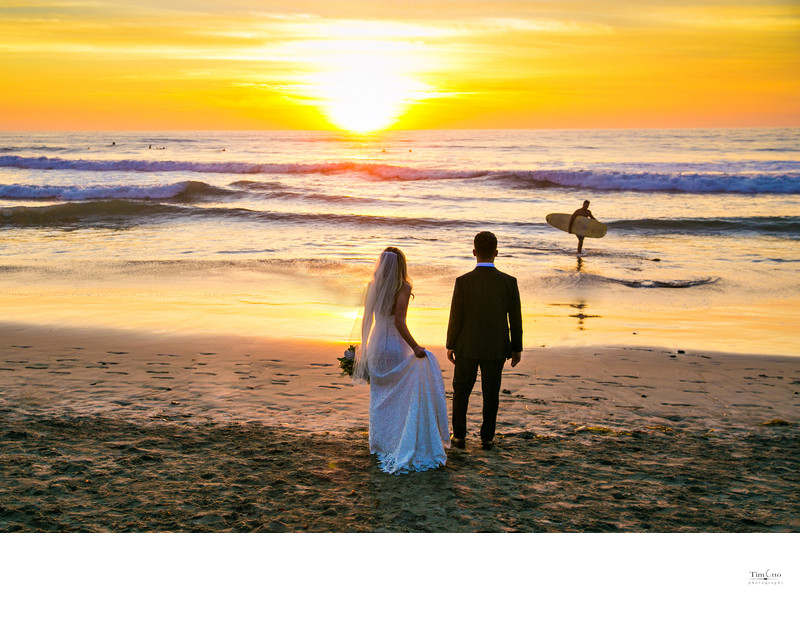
(585, 212)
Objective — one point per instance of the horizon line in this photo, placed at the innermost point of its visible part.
(393, 130)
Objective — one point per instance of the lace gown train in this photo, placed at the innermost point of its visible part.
(408, 426)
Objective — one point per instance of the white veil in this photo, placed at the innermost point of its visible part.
(379, 300)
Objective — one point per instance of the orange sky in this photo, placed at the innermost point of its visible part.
(241, 64)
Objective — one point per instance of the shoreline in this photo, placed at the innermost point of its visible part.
(107, 431)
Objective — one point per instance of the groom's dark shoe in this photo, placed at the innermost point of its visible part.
(458, 442)
(487, 445)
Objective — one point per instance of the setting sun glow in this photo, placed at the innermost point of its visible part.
(365, 96)
(600, 64)
(362, 83)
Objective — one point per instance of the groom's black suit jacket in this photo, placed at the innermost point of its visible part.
(485, 316)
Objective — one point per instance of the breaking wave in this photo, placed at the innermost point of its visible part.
(656, 182)
(598, 180)
(112, 213)
(183, 192)
(379, 171)
(781, 226)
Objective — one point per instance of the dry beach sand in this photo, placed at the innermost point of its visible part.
(108, 431)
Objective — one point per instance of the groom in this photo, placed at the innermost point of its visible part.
(485, 329)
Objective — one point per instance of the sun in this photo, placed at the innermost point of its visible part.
(364, 95)
(360, 99)
(365, 84)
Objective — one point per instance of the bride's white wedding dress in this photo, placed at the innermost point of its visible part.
(408, 427)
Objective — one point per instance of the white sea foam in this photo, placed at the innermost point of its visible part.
(768, 181)
(98, 192)
(377, 170)
(758, 183)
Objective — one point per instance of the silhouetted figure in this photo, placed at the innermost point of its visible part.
(582, 212)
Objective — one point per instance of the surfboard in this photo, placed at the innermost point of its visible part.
(583, 226)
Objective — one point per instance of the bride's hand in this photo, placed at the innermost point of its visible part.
(419, 352)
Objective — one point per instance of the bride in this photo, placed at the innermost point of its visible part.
(408, 427)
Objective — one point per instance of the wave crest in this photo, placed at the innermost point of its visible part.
(113, 213)
(655, 182)
(781, 226)
(599, 180)
(185, 191)
(380, 171)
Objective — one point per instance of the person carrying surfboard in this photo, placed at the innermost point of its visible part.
(585, 212)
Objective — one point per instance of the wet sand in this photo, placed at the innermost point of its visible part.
(106, 431)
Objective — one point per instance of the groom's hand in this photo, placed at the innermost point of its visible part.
(516, 357)
(451, 356)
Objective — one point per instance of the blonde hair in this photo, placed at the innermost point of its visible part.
(402, 276)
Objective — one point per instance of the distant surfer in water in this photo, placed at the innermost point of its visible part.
(584, 212)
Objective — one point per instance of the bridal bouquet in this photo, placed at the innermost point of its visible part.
(347, 361)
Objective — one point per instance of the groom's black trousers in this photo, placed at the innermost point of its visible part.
(464, 376)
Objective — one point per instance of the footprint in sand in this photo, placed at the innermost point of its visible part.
(208, 353)
(111, 352)
(22, 347)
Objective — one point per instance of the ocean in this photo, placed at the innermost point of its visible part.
(276, 233)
